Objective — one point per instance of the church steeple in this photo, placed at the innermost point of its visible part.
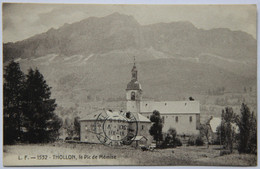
(134, 72)
(134, 93)
(134, 84)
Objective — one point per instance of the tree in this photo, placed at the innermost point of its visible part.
(253, 135)
(227, 122)
(156, 128)
(205, 131)
(77, 126)
(171, 140)
(247, 127)
(69, 127)
(220, 134)
(13, 100)
(42, 123)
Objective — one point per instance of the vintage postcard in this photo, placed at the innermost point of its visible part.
(142, 85)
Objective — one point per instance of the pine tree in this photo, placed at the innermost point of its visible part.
(228, 120)
(13, 99)
(77, 126)
(247, 127)
(42, 123)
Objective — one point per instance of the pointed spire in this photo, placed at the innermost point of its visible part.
(134, 72)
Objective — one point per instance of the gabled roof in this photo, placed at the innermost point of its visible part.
(171, 107)
(216, 121)
(142, 118)
(113, 115)
(137, 138)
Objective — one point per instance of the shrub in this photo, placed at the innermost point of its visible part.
(191, 141)
(178, 142)
(199, 141)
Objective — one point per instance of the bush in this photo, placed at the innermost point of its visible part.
(178, 142)
(224, 152)
(170, 143)
(191, 141)
(199, 141)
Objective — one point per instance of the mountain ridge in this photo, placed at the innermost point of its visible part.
(118, 31)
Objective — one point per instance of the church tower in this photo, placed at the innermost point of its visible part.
(133, 93)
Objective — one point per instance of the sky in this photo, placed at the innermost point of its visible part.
(23, 20)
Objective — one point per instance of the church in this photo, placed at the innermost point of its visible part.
(184, 116)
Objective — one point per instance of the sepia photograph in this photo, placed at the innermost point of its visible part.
(129, 84)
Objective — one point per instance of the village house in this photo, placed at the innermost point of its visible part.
(114, 125)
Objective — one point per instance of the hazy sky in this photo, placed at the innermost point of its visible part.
(21, 21)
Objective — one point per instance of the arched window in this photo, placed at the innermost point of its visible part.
(133, 96)
(176, 119)
(190, 118)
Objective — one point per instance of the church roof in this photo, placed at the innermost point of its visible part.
(171, 107)
(134, 85)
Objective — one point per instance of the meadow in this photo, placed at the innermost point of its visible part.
(97, 154)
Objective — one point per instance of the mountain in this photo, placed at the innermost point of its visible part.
(117, 32)
(91, 60)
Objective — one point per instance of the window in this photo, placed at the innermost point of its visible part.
(176, 119)
(190, 118)
(148, 117)
(142, 127)
(133, 96)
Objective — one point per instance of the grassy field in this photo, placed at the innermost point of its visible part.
(181, 156)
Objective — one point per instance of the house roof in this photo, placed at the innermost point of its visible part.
(171, 107)
(216, 121)
(114, 115)
(137, 138)
(142, 118)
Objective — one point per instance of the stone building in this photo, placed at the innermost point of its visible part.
(114, 126)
